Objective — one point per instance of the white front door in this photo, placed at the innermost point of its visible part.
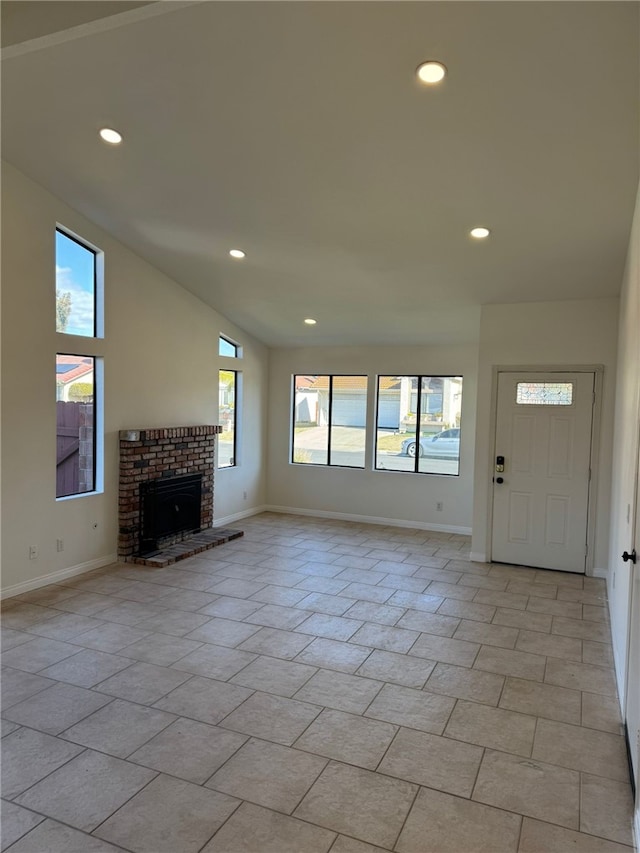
(541, 498)
(632, 692)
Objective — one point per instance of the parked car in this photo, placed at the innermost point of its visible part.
(445, 443)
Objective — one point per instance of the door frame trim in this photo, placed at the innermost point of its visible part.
(596, 424)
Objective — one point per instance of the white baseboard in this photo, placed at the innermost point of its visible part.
(369, 519)
(600, 573)
(236, 516)
(636, 827)
(81, 568)
(478, 557)
(61, 574)
(619, 670)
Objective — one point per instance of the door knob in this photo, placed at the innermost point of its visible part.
(629, 556)
(500, 480)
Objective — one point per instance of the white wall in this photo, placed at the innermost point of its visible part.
(384, 495)
(535, 334)
(627, 410)
(160, 362)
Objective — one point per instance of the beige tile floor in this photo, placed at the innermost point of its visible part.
(314, 686)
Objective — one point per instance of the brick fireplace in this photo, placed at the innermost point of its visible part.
(160, 454)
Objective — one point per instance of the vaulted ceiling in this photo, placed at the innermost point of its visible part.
(297, 131)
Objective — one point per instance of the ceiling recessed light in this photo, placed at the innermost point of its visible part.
(479, 233)
(310, 322)
(431, 72)
(108, 134)
(237, 253)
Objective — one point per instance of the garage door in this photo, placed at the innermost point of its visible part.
(389, 414)
(349, 410)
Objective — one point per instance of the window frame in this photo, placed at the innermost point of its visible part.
(236, 380)
(330, 425)
(237, 349)
(98, 427)
(417, 430)
(98, 282)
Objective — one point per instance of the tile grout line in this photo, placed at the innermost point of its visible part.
(406, 817)
(13, 798)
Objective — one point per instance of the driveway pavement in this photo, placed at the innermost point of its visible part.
(350, 441)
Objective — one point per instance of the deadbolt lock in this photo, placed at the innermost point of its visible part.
(499, 464)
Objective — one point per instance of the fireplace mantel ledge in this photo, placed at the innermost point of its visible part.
(169, 432)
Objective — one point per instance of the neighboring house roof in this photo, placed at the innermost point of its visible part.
(389, 383)
(69, 368)
(305, 382)
(340, 383)
(359, 383)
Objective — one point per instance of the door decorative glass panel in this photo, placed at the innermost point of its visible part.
(544, 393)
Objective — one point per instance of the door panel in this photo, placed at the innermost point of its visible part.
(522, 445)
(543, 429)
(559, 450)
(520, 518)
(557, 521)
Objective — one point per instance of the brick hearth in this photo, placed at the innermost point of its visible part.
(149, 454)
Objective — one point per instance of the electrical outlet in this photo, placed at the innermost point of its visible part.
(59, 545)
(33, 552)
(439, 506)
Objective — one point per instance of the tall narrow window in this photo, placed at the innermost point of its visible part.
(329, 420)
(76, 287)
(229, 393)
(418, 424)
(76, 425)
(228, 380)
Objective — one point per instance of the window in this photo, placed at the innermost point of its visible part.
(228, 380)
(418, 424)
(228, 348)
(79, 422)
(544, 393)
(228, 405)
(77, 287)
(329, 420)
(76, 424)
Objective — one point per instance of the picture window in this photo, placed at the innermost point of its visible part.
(329, 420)
(418, 424)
